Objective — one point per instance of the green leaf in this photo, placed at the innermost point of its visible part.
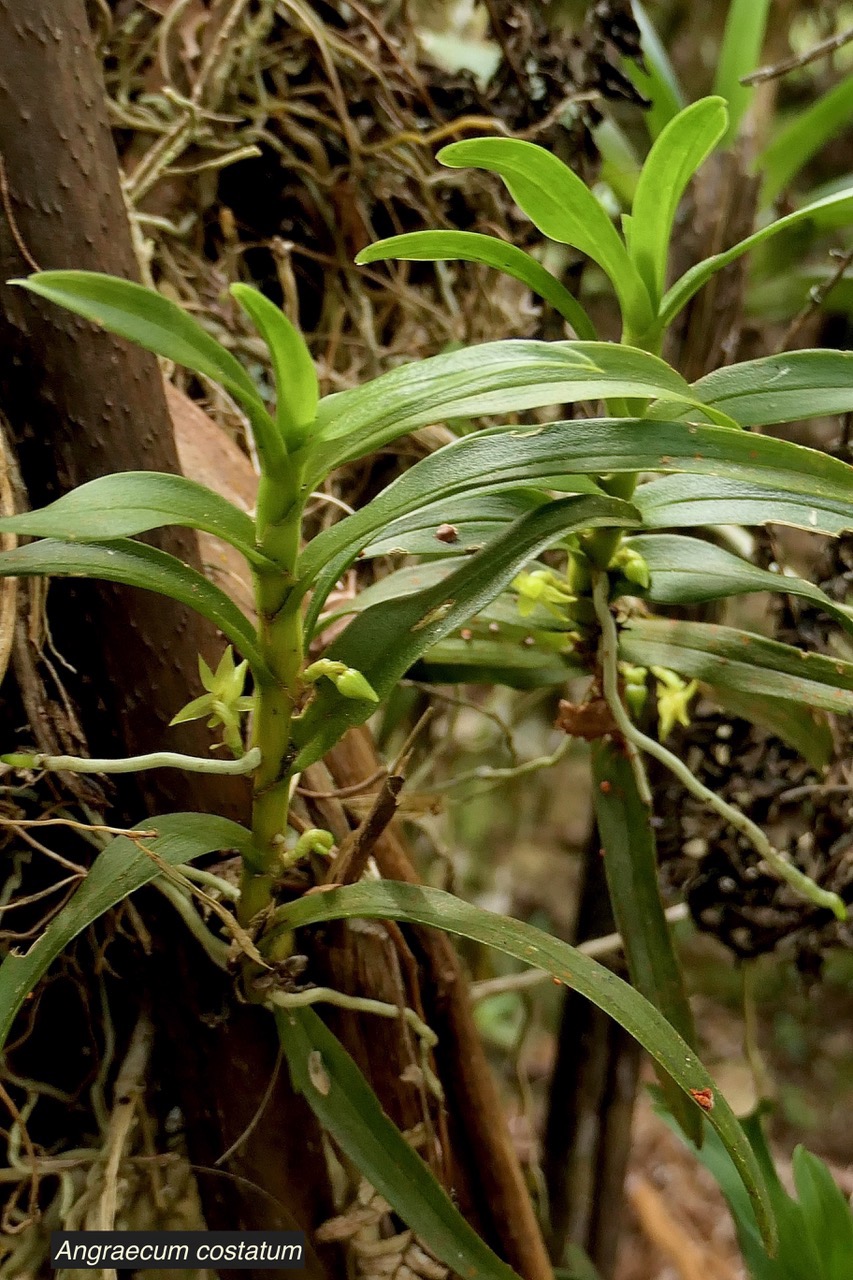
(491, 378)
(394, 586)
(159, 325)
(691, 501)
(392, 900)
(508, 662)
(136, 565)
(470, 246)
(803, 728)
(826, 1213)
(384, 641)
(119, 870)
(690, 571)
(802, 486)
(348, 1108)
(791, 387)
(731, 659)
(119, 506)
(474, 519)
(630, 863)
(691, 282)
(681, 148)
(743, 38)
(297, 389)
(796, 143)
(815, 1232)
(146, 318)
(562, 207)
(659, 83)
(715, 1158)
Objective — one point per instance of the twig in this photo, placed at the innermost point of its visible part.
(261, 1108)
(341, 793)
(233, 926)
(817, 296)
(780, 866)
(796, 60)
(79, 826)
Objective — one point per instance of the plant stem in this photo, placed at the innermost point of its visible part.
(276, 696)
(780, 866)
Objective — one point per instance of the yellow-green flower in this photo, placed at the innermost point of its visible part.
(542, 587)
(674, 696)
(223, 701)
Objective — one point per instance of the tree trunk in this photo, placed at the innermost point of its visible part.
(81, 404)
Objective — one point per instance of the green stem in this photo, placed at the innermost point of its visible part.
(780, 866)
(276, 696)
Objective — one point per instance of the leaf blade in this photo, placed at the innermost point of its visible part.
(297, 388)
(120, 869)
(152, 321)
(660, 82)
(691, 571)
(490, 378)
(383, 642)
(471, 246)
(145, 317)
(677, 153)
(791, 387)
(420, 905)
(630, 864)
(133, 502)
(743, 37)
(348, 1108)
(137, 565)
(796, 143)
(730, 659)
(562, 207)
(692, 281)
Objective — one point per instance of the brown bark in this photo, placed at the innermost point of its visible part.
(82, 403)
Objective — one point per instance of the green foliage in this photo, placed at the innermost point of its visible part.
(121, 506)
(729, 659)
(799, 140)
(594, 491)
(297, 389)
(563, 208)
(815, 1228)
(746, 22)
(679, 150)
(470, 246)
(348, 1108)
(136, 565)
(625, 830)
(392, 900)
(658, 83)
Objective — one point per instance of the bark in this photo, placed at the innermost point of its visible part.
(80, 404)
